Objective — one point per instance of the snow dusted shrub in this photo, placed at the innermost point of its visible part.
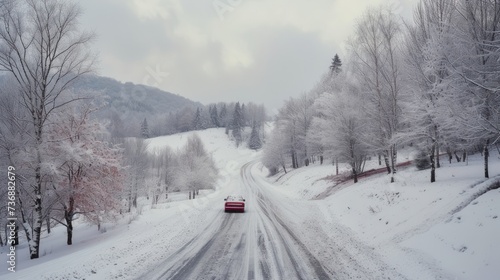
(422, 161)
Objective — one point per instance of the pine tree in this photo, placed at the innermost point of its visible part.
(144, 129)
(244, 117)
(197, 121)
(254, 142)
(237, 124)
(336, 65)
(223, 114)
(214, 116)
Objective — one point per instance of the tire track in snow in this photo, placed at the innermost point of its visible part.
(291, 258)
(255, 245)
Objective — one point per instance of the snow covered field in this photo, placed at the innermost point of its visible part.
(410, 229)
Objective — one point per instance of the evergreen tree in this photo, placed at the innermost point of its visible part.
(254, 142)
(197, 121)
(223, 113)
(214, 116)
(144, 129)
(237, 124)
(244, 115)
(336, 65)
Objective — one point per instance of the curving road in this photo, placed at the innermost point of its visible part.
(272, 240)
(256, 244)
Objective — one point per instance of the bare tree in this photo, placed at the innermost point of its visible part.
(43, 49)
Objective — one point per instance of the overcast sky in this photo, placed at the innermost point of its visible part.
(263, 51)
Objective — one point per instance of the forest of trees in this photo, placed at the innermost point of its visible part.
(234, 117)
(432, 83)
(69, 162)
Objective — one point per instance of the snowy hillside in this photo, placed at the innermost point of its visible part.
(449, 227)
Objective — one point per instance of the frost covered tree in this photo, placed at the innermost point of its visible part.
(167, 172)
(452, 58)
(42, 48)
(254, 142)
(198, 121)
(342, 126)
(376, 60)
(256, 116)
(426, 43)
(196, 169)
(145, 129)
(87, 178)
(214, 115)
(294, 119)
(275, 152)
(136, 161)
(237, 124)
(475, 73)
(223, 115)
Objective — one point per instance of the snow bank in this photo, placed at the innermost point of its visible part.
(442, 226)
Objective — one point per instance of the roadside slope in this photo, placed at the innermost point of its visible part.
(412, 223)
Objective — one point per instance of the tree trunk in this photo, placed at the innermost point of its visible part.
(386, 161)
(69, 230)
(450, 155)
(486, 154)
(68, 216)
(379, 159)
(37, 223)
(130, 199)
(47, 222)
(337, 166)
(25, 224)
(38, 215)
(433, 164)
(438, 163)
(321, 160)
(394, 159)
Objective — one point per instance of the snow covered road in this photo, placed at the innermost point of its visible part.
(358, 232)
(276, 238)
(256, 244)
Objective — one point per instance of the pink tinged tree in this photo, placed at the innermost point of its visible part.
(89, 175)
